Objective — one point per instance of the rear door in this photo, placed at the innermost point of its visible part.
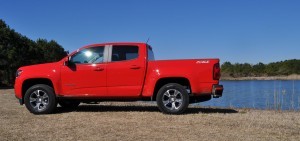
(125, 70)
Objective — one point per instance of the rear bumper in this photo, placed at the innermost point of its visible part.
(217, 91)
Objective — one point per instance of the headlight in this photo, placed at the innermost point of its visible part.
(18, 73)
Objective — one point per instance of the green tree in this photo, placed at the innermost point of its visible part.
(259, 69)
(17, 50)
(52, 51)
(286, 67)
(227, 69)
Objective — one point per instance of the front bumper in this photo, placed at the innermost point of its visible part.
(18, 90)
(217, 91)
(20, 101)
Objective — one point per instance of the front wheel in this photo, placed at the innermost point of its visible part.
(40, 99)
(172, 98)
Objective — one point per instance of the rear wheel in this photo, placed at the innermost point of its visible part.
(40, 99)
(68, 104)
(172, 98)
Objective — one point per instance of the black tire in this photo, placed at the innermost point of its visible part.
(40, 99)
(68, 104)
(169, 101)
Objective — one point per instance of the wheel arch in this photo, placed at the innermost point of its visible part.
(163, 81)
(33, 81)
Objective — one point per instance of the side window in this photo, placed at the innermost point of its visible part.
(150, 54)
(91, 55)
(120, 53)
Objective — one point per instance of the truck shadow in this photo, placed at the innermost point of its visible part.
(6, 87)
(114, 108)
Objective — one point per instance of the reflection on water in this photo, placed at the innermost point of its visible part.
(276, 94)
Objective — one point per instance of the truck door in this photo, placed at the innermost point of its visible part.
(125, 70)
(85, 75)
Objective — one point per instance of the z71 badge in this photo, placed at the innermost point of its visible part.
(202, 62)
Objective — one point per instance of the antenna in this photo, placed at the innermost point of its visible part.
(148, 40)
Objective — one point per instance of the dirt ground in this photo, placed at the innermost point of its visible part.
(142, 121)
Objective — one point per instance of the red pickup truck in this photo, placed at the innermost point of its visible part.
(117, 72)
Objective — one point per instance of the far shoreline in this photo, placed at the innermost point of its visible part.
(289, 77)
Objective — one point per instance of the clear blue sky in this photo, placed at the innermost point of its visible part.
(233, 30)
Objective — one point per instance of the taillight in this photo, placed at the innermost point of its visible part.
(216, 72)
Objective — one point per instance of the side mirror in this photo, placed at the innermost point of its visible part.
(67, 61)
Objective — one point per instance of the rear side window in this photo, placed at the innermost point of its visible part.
(150, 54)
(121, 53)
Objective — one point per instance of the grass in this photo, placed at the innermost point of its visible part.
(283, 97)
(140, 121)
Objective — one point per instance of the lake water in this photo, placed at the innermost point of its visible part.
(277, 94)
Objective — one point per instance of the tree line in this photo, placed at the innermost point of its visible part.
(17, 50)
(286, 67)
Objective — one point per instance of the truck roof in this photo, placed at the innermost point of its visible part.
(114, 43)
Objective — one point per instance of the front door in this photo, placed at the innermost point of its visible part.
(85, 75)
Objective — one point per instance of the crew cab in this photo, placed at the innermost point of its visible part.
(124, 71)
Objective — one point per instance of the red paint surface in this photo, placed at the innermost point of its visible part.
(132, 78)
